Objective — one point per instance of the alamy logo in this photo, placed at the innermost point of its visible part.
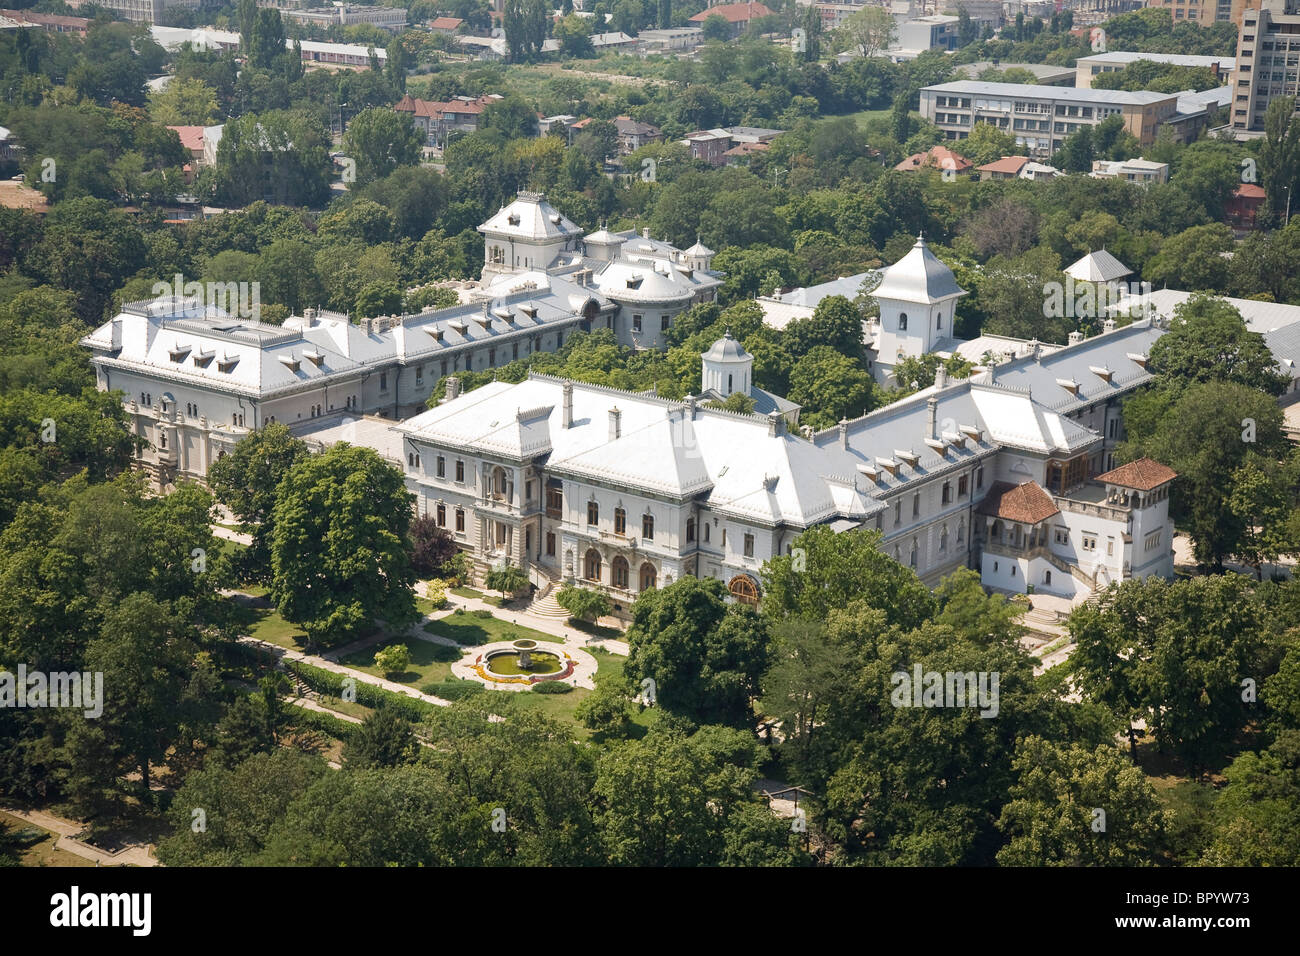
(946, 689)
(55, 689)
(1072, 299)
(73, 909)
(243, 299)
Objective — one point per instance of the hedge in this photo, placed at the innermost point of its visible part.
(453, 689)
(551, 687)
(326, 723)
(368, 695)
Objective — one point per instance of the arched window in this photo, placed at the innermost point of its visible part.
(593, 513)
(729, 385)
(912, 559)
(961, 531)
(938, 321)
(744, 590)
(648, 527)
(591, 565)
(1047, 577)
(943, 539)
(618, 572)
(649, 577)
(902, 321)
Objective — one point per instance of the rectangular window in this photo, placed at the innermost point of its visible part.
(636, 323)
(898, 513)
(916, 505)
(442, 516)
(419, 375)
(442, 467)
(648, 527)
(460, 521)
(383, 381)
(593, 513)
(1062, 536)
(962, 486)
(663, 323)
(620, 521)
(947, 492)
(460, 471)
(1089, 541)
(550, 544)
(749, 545)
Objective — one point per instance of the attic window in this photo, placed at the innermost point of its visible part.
(484, 320)
(634, 282)
(955, 439)
(459, 326)
(871, 471)
(179, 352)
(316, 358)
(889, 465)
(975, 434)
(1138, 358)
(436, 332)
(204, 359)
(505, 315)
(909, 456)
(938, 445)
(555, 218)
(1103, 372)
(227, 363)
(513, 219)
(289, 362)
(529, 310)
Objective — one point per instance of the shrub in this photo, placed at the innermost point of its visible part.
(393, 659)
(335, 727)
(508, 580)
(481, 613)
(368, 695)
(436, 592)
(552, 687)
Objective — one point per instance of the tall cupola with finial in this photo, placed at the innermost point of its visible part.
(918, 297)
(727, 367)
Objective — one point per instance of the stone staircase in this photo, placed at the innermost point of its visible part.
(544, 603)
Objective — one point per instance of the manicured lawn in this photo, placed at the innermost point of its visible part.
(470, 630)
(41, 852)
(430, 662)
(467, 593)
(561, 707)
(266, 624)
(425, 606)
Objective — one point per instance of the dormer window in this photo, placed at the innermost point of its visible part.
(289, 362)
(227, 363)
(513, 219)
(179, 352)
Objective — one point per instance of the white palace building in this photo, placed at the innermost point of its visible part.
(1010, 471)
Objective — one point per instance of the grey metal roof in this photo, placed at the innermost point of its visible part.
(1030, 91)
(920, 276)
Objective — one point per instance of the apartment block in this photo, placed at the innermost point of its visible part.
(1268, 62)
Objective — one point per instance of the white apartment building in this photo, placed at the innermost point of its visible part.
(1268, 61)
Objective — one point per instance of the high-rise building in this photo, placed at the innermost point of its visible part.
(1268, 61)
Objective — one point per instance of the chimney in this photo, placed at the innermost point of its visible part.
(566, 414)
(932, 416)
(690, 407)
(645, 233)
(941, 376)
(453, 388)
(1076, 338)
(615, 421)
(844, 433)
(1108, 325)
(775, 424)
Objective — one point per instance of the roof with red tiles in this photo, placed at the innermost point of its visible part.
(1027, 503)
(1143, 474)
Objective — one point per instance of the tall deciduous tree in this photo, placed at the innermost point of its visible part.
(380, 140)
(340, 555)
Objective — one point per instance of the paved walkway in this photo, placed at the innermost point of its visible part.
(138, 854)
(572, 636)
(360, 676)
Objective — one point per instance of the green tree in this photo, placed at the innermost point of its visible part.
(1193, 260)
(704, 656)
(608, 710)
(380, 140)
(584, 604)
(1257, 814)
(245, 481)
(830, 387)
(509, 579)
(1052, 817)
(987, 143)
(393, 659)
(1279, 154)
(384, 739)
(340, 556)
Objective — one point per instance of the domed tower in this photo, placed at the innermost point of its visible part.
(918, 302)
(603, 245)
(699, 257)
(727, 367)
